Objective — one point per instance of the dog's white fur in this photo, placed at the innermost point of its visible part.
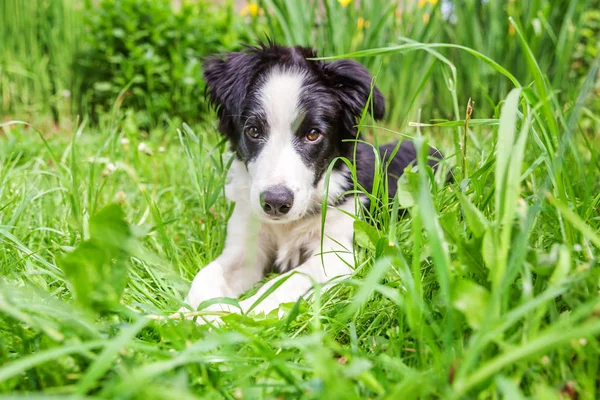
(252, 237)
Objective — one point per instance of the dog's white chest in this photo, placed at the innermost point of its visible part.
(292, 244)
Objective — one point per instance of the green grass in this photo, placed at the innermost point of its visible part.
(39, 41)
(487, 289)
(417, 82)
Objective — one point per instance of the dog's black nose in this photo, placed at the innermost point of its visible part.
(277, 200)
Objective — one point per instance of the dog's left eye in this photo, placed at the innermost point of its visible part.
(253, 132)
(313, 135)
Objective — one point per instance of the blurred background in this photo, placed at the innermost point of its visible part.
(65, 60)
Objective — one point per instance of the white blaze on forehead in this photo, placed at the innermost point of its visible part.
(280, 100)
(279, 162)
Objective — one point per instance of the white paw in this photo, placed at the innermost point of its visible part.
(208, 284)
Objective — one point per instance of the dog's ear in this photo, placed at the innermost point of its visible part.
(353, 84)
(227, 81)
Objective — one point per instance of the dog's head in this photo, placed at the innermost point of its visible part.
(286, 119)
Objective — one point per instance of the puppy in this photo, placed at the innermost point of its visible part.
(287, 118)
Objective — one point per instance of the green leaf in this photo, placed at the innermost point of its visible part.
(476, 221)
(489, 249)
(506, 139)
(437, 242)
(366, 235)
(385, 248)
(97, 269)
(472, 300)
(408, 189)
(563, 266)
(108, 226)
(97, 280)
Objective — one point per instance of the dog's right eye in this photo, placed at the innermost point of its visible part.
(253, 132)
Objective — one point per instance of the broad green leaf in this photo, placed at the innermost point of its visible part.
(472, 300)
(96, 278)
(476, 221)
(97, 269)
(408, 189)
(366, 235)
(385, 248)
(108, 226)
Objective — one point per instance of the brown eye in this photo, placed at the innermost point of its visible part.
(313, 135)
(253, 132)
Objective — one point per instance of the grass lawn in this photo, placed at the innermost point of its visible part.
(488, 288)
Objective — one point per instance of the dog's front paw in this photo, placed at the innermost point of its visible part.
(208, 284)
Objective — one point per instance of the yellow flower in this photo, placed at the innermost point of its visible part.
(511, 29)
(251, 9)
(344, 3)
(362, 23)
(422, 3)
(426, 17)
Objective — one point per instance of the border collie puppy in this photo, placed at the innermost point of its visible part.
(286, 119)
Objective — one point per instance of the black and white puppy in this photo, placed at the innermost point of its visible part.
(286, 119)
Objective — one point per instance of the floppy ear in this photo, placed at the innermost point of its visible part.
(352, 83)
(227, 81)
